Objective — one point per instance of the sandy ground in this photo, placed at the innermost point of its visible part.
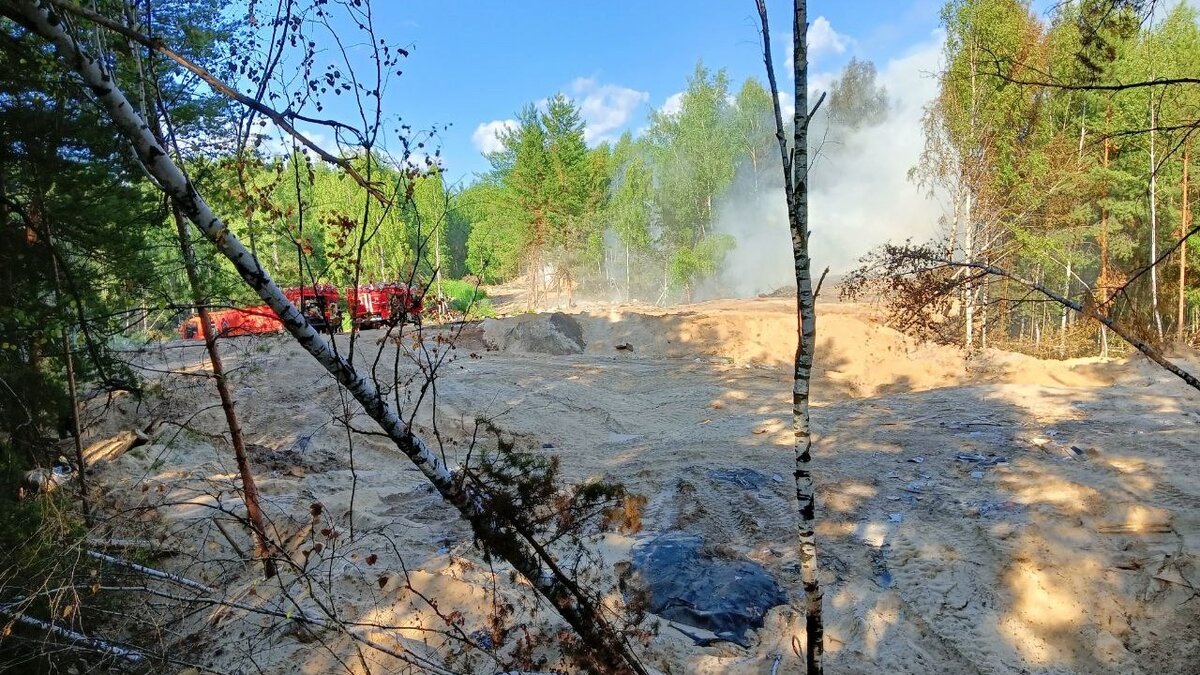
(992, 514)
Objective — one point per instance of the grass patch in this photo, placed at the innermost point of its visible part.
(467, 298)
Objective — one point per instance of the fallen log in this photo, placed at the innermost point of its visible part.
(108, 449)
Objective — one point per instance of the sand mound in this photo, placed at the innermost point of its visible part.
(556, 334)
(857, 356)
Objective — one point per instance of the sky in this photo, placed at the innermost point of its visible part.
(474, 65)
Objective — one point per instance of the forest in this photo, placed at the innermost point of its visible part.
(1062, 150)
(583, 405)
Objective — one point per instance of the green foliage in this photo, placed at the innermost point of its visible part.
(496, 242)
(754, 122)
(694, 156)
(1054, 182)
(855, 100)
(527, 489)
(638, 214)
(467, 298)
(699, 261)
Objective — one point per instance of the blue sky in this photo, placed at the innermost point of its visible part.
(473, 65)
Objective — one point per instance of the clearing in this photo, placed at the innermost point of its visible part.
(992, 514)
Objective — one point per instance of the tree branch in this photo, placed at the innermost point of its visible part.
(132, 656)
(280, 119)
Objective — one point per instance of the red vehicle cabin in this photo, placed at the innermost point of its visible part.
(258, 320)
(320, 305)
(384, 304)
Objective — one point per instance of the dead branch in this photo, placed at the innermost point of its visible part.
(820, 282)
(150, 571)
(132, 656)
(1141, 345)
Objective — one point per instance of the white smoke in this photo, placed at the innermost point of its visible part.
(859, 196)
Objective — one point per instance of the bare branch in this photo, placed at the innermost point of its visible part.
(1141, 345)
(131, 656)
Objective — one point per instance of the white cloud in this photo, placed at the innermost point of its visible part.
(424, 162)
(823, 39)
(274, 142)
(487, 135)
(787, 104)
(605, 107)
(673, 104)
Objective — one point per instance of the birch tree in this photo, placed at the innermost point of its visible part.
(795, 178)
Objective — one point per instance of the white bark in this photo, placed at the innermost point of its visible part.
(1158, 324)
(151, 572)
(969, 292)
(795, 172)
(131, 656)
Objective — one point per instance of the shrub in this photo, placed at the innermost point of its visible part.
(467, 298)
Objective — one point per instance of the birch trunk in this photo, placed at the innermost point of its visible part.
(1063, 320)
(969, 292)
(628, 274)
(498, 536)
(795, 174)
(985, 297)
(1158, 325)
(1184, 222)
(805, 350)
(1102, 278)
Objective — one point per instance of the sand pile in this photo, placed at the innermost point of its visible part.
(857, 355)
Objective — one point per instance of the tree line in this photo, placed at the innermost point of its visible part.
(631, 218)
(1063, 147)
(638, 218)
(634, 218)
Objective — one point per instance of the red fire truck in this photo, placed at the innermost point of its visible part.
(320, 304)
(230, 322)
(386, 303)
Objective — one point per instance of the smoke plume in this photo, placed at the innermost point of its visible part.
(859, 196)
